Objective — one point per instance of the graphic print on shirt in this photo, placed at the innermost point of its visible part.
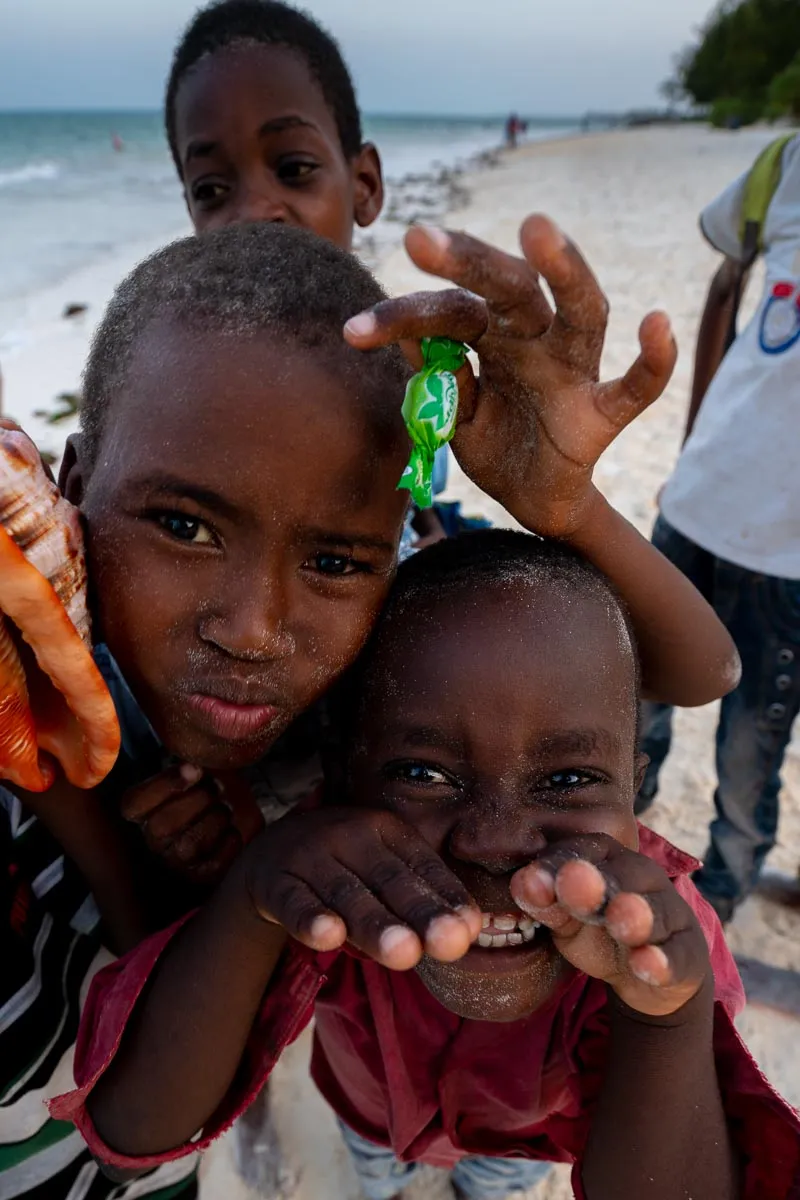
(780, 320)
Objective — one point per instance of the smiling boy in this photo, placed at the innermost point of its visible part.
(491, 844)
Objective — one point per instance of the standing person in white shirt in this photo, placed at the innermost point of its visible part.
(730, 520)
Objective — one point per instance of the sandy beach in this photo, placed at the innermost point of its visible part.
(631, 201)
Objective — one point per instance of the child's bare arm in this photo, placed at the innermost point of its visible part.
(322, 877)
(659, 1129)
(712, 334)
(78, 820)
(534, 423)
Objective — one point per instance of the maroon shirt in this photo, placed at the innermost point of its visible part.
(405, 1072)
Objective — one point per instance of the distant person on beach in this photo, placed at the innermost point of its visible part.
(513, 129)
(573, 997)
(730, 519)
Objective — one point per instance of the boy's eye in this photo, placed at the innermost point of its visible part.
(296, 170)
(569, 779)
(336, 564)
(208, 191)
(186, 529)
(419, 773)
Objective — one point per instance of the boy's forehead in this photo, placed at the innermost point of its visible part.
(520, 640)
(241, 410)
(246, 72)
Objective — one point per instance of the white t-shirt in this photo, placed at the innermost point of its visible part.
(736, 488)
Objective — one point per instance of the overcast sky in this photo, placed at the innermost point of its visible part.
(430, 56)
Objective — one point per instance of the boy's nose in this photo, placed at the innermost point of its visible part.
(262, 203)
(497, 837)
(256, 630)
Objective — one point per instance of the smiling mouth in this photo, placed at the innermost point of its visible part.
(501, 930)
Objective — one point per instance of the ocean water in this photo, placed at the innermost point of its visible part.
(68, 198)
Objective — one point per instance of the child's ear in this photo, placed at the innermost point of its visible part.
(368, 185)
(642, 762)
(71, 477)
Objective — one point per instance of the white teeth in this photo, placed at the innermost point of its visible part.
(505, 924)
(506, 930)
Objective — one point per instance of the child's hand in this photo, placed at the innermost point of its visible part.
(535, 422)
(615, 915)
(341, 874)
(195, 823)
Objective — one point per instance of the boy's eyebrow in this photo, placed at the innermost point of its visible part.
(290, 121)
(203, 149)
(328, 537)
(579, 741)
(199, 150)
(181, 489)
(427, 735)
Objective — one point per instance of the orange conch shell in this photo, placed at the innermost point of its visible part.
(53, 702)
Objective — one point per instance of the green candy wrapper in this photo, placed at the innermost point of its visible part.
(430, 409)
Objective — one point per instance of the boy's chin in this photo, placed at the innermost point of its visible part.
(485, 995)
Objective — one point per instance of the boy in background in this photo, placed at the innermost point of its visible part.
(730, 520)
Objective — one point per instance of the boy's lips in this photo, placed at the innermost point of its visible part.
(233, 721)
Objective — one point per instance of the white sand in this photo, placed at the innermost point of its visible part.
(631, 201)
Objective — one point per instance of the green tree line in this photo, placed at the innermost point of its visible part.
(745, 65)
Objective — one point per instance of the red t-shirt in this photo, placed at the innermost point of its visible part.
(405, 1072)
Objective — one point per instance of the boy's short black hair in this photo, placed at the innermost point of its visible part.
(269, 23)
(472, 561)
(240, 281)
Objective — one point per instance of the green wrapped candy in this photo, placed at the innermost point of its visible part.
(430, 409)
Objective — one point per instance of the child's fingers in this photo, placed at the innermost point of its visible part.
(181, 811)
(297, 907)
(425, 870)
(534, 886)
(624, 399)
(371, 926)
(198, 840)
(451, 313)
(581, 306)
(419, 895)
(506, 281)
(141, 801)
(681, 962)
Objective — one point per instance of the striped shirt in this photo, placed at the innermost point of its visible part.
(51, 949)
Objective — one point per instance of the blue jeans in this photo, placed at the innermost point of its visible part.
(762, 615)
(382, 1176)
